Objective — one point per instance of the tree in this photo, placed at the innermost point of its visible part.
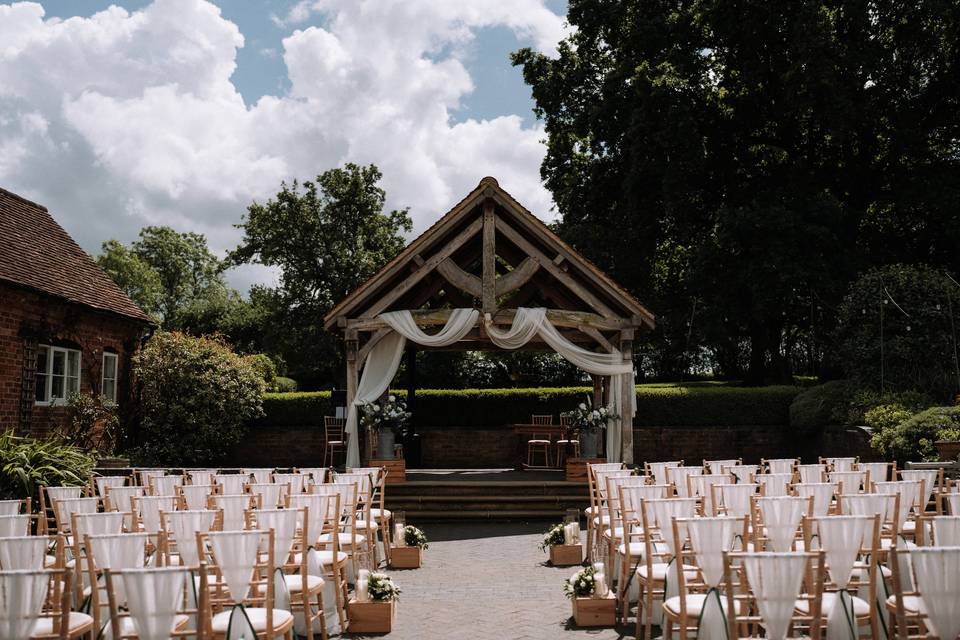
(326, 237)
(739, 164)
(133, 275)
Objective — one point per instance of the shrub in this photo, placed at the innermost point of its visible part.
(862, 401)
(93, 424)
(27, 463)
(914, 438)
(284, 385)
(657, 405)
(818, 406)
(198, 398)
(263, 365)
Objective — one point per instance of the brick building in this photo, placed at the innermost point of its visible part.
(65, 326)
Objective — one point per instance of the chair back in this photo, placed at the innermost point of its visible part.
(230, 483)
(334, 429)
(945, 531)
(709, 538)
(935, 575)
(821, 492)
(101, 483)
(23, 595)
(839, 464)
(849, 481)
(164, 485)
(283, 522)
(879, 471)
(64, 510)
(24, 553)
(144, 476)
(538, 419)
(240, 566)
(659, 470)
(932, 480)
(269, 495)
(734, 499)
(194, 496)
(149, 508)
(678, 477)
(233, 507)
(258, 476)
(744, 472)
(14, 526)
(99, 523)
(812, 473)
(773, 485)
(777, 520)
(701, 486)
(664, 513)
(320, 509)
(181, 529)
(779, 465)
(910, 493)
(121, 498)
(201, 476)
(154, 600)
(318, 475)
(719, 466)
(296, 481)
(885, 505)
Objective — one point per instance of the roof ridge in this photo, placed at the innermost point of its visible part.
(17, 196)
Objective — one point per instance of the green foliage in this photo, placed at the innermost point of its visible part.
(284, 385)
(326, 238)
(657, 406)
(913, 439)
(93, 425)
(818, 406)
(883, 420)
(264, 366)
(415, 537)
(740, 163)
(863, 400)
(381, 588)
(26, 464)
(133, 275)
(553, 536)
(581, 584)
(918, 346)
(198, 397)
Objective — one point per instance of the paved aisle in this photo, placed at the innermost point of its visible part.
(487, 581)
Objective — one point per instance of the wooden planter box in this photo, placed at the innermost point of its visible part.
(577, 468)
(396, 469)
(595, 612)
(405, 557)
(948, 450)
(566, 555)
(371, 617)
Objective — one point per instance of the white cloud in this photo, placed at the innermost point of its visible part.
(124, 119)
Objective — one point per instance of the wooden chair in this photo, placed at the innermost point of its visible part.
(632, 533)
(48, 496)
(569, 440)
(156, 599)
(335, 439)
(58, 621)
(99, 484)
(935, 568)
(539, 443)
(320, 516)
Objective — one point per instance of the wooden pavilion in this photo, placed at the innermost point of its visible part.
(491, 254)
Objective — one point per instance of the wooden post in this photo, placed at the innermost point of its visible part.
(412, 385)
(489, 284)
(350, 337)
(597, 390)
(626, 409)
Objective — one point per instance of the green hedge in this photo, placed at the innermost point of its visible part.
(657, 405)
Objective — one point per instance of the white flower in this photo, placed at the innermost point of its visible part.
(583, 407)
(392, 398)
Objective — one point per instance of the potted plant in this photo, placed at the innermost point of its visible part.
(373, 607)
(592, 601)
(407, 553)
(387, 419)
(590, 421)
(565, 550)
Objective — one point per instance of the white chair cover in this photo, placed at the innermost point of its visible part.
(150, 508)
(701, 488)
(719, 466)
(183, 526)
(270, 493)
(233, 507)
(868, 504)
(232, 483)
(15, 526)
(822, 493)
(123, 551)
(318, 510)
(62, 493)
(774, 484)
(154, 597)
(781, 518)
(774, 579)
(295, 480)
(664, 512)
(22, 595)
(201, 476)
(841, 538)
(195, 495)
(102, 482)
(879, 471)
(781, 465)
(68, 507)
(946, 531)
(99, 523)
(849, 481)
(678, 476)
(284, 525)
(709, 539)
(744, 472)
(121, 498)
(362, 480)
(634, 494)
(937, 574)
(811, 473)
(10, 507)
(165, 485)
(952, 500)
(930, 478)
(147, 474)
(318, 475)
(260, 476)
(909, 492)
(841, 464)
(235, 553)
(659, 471)
(23, 553)
(736, 498)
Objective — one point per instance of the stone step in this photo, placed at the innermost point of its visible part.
(453, 488)
(430, 515)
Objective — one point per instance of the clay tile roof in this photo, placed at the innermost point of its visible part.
(36, 252)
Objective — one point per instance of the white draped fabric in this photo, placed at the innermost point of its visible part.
(822, 493)
(878, 470)
(867, 504)
(937, 572)
(183, 526)
(781, 465)
(811, 473)
(201, 476)
(702, 486)
(928, 476)
(775, 579)
(96, 524)
(744, 472)
(841, 464)
(233, 507)
(24, 553)
(909, 493)
(153, 598)
(295, 480)
(269, 493)
(841, 538)
(70, 506)
(150, 508)
(103, 482)
(678, 476)
(260, 476)
(946, 531)
(318, 508)
(236, 556)
(774, 484)
(121, 551)
(11, 526)
(781, 519)
(736, 498)
(22, 595)
(195, 495)
(232, 483)
(121, 498)
(665, 511)
(384, 359)
(709, 539)
(10, 507)
(62, 493)
(952, 501)
(659, 470)
(284, 525)
(165, 485)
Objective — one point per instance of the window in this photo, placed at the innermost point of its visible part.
(58, 374)
(109, 382)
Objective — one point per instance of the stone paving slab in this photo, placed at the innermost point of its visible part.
(486, 581)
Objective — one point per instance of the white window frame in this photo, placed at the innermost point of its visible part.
(113, 381)
(51, 350)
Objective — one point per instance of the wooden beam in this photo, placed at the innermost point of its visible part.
(428, 266)
(459, 278)
(554, 270)
(489, 297)
(559, 318)
(596, 335)
(517, 277)
(626, 438)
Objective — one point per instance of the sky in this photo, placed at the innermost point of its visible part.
(183, 112)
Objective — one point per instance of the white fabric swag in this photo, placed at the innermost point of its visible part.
(384, 360)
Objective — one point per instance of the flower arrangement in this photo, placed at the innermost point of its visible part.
(414, 537)
(391, 413)
(586, 417)
(553, 536)
(582, 584)
(381, 588)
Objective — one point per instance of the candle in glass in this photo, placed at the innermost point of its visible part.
(399, 535)
(362, 589)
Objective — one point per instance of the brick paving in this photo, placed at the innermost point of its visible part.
(487, 581)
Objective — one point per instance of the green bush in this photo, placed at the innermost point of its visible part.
(198, 399)
(657, 405)
(863, 401)
(263, 365)
(818, 406)
(284, 385)
(913, 439)
(27, 463)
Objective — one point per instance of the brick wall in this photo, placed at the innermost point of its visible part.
(27, 316)
(466, 447)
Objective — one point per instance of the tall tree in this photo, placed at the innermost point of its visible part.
(736, 164)
(133, 275)
(326, 237)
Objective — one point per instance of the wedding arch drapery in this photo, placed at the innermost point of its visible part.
(384, 360)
